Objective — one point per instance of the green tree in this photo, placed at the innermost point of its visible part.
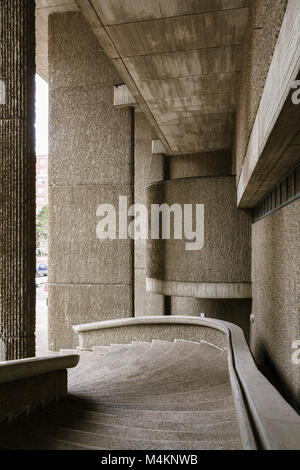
(42, 226)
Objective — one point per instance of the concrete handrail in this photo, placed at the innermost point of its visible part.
(11, 371)
(266, 420)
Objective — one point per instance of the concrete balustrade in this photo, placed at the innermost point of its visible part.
(273, 421)
(25, 384)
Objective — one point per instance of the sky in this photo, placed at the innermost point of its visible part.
(41, 125)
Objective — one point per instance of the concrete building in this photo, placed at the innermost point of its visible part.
(161, 103)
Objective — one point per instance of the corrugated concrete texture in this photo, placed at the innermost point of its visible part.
(17, 180)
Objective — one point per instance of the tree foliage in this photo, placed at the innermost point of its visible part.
(42, 226)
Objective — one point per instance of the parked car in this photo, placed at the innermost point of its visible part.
(42, 269)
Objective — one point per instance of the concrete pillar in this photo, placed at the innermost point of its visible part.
(90, 163)
(147, 169)
(17, 170)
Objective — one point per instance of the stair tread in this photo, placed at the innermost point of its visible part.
(160, 395)
(180, 368)
(95, 440)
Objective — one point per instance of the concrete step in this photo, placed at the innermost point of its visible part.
(183, 421)
(13, 438)
(136, 353)
(159, 395)
(99, 367)
(176, 353)
(193, 366)
(93, 404)
(211, 431)
(98, 361)
(109, 442)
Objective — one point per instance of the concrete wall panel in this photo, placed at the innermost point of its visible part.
(75, 303)
(84, 124)
(146, 303)
(276, 280)
(76, 255)
(200, 164)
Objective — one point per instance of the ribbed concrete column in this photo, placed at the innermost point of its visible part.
(17, 173)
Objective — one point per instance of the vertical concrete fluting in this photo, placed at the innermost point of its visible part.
(17, 173)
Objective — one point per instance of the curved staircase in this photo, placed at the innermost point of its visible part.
(159, 395)
(201, 392)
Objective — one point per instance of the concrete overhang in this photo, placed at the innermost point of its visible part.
(274, 145)
(157, 147)
(180, 60)
(122, 97)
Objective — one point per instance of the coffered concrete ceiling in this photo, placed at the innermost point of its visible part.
(179, 58)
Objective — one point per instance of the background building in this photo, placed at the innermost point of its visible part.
(41, 182)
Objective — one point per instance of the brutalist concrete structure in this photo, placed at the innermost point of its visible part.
(161, 103)
(86, 134)
(17, 263)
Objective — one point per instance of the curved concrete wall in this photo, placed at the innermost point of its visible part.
(226, 255)
(201, 164)
(147, 329)
(236, 311)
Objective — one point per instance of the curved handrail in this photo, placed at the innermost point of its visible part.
(272, 420)
(11, 371)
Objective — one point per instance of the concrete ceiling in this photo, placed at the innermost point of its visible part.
(179, 58)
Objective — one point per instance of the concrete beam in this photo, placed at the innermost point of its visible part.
(158, 147)
(257, 176)
(201, 290)
(123, 97)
